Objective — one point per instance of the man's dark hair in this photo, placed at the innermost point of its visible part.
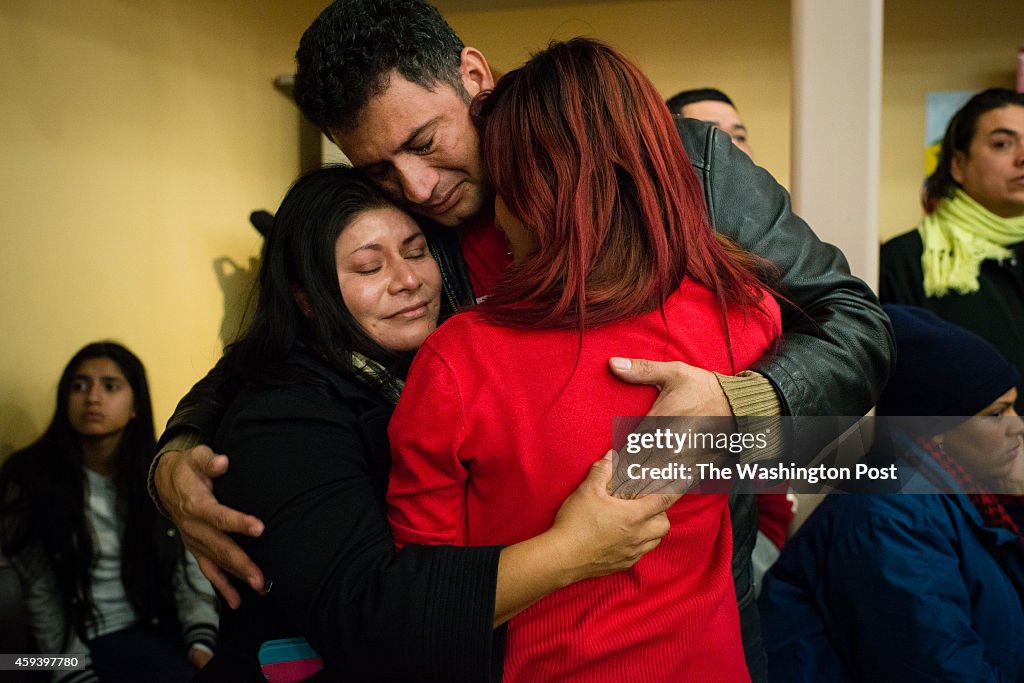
(346, 56)
(680, 100)
(959, 134)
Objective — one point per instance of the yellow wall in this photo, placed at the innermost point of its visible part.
(743, 48)
(739, 46)
(138, 135)
(934, 45)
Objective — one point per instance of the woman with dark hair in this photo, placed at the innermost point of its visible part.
(925, 584)
(105, 576)
(965, 261)
(948, 175)
(348, 290)
(613, 256)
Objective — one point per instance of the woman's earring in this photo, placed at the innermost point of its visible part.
(302, 300)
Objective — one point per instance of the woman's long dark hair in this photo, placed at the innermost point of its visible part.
(299, 261)
(42, 502)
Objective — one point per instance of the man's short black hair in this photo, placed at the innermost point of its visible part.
(346, 56)
(680, 100)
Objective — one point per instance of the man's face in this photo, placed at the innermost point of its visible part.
(723, 116)
(992, 173)
(422, 148)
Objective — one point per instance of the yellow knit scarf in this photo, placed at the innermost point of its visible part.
(957, 237)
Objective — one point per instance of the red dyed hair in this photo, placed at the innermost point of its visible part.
(583, 151)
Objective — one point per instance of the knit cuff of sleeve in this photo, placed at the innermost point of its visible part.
(180, 442)
(203, 636)
(752, 396)
(750, 393)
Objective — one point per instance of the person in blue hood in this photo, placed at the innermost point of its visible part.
(925, 584)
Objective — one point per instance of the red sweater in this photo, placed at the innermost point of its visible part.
(775, 515)
(497, 426)
(486, 253)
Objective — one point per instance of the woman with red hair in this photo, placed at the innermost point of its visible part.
(613, 255)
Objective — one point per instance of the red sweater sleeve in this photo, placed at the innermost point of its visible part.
(427, 489)
(775, 514)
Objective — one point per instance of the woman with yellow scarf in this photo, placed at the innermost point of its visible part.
(965, 261)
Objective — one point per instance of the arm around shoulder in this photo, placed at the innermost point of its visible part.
(199, 411)
(837, 345)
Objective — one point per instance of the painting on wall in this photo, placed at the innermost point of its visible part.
(939, 109)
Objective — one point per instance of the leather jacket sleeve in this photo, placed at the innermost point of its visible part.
(837, 345)
(200, 410)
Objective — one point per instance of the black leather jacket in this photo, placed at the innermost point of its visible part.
(837, 346)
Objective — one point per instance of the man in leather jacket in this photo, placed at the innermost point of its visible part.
(390, 83)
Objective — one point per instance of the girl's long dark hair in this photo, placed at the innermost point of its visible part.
(42, 502)
(299, 260)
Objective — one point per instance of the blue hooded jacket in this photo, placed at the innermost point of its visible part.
(901, 587)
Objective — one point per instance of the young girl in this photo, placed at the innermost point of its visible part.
(614, 256)
(105, 577)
